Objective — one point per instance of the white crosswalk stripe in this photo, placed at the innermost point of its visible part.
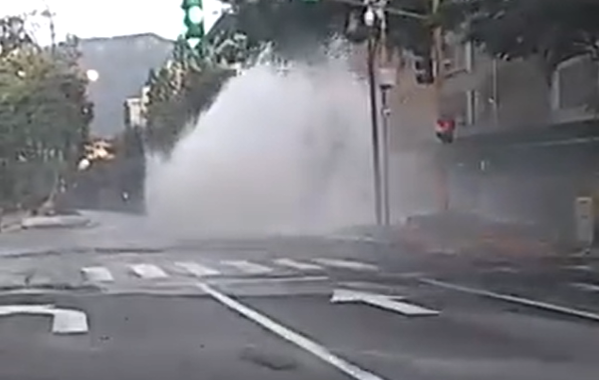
(112, 272)
(196, 269)
(346, 264)
(298, 265)
(97, 274)
(148, 271)
(248, 267)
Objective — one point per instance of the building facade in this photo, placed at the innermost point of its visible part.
(510, 179)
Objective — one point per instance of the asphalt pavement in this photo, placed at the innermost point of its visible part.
(146, 337)
(297, 308)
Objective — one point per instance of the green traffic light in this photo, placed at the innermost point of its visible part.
(188, 4)
(193, 16)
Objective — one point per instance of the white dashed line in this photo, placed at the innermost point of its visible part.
(346, 264)
(248, 267)
(97, 274)
(148, 271)
(386, 302)
(297, 264)
(196, 269)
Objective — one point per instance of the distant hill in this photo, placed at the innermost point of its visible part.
(123, 63)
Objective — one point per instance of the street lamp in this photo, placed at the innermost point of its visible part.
(92, 75)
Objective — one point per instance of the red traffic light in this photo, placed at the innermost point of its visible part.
(445, 130)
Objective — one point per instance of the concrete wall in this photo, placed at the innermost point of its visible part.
(535, 184)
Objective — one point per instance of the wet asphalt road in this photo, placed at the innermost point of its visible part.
(263, 309)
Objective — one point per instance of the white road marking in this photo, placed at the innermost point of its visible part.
(346, 264)
(504, 270)
(272, 280)
(350, 238)
(97, 274)
(382, 301)
(587, 287)
(297, 264)
(196, 269)
(64, 321)
(381, 289)
(248, 267)
(148, 271)
(513, 299)
(583, 268)
(291, 336)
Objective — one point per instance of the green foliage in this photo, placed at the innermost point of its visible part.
(130, 164)
(554, 30)
(44, 113)
(292, 25)
(178, 94)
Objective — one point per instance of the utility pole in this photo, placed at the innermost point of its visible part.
(439, 78)
(369, 21)
(386, 80)
(377, 10)
(47, 13)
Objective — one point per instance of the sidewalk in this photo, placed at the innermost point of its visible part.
(469, 235)
(11, 221)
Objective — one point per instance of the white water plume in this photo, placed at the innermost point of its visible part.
(279, 151)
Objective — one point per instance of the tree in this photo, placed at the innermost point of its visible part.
(44, 113)
(293, 26)
(551, 30)
(289, 26)
(178, 94)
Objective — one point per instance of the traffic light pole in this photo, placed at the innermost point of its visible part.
(439, 77)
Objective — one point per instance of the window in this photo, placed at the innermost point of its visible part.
(577, 82)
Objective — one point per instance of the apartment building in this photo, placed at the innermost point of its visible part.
(489, 96)
(486, 95)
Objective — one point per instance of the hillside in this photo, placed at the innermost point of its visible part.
(123, 63)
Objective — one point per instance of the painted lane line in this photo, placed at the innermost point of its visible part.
(347, 264)
(587, 287)
(248, 267)
(298, 265)
(390, 303)
(148, 271)
(68, 321)
(582, 268)
(291, 336)
(504, 270)
(196, 269)
(350, 238)
(64, 321)
(281, 280)
(513, 299)
(97, 274)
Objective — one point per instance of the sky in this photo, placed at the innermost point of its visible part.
(107, 18)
